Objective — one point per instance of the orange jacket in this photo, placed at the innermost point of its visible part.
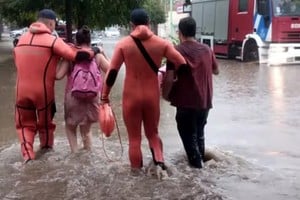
(36, 56)
(139, 75)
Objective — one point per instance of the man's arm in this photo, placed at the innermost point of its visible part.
(71, 53)
(174, 57)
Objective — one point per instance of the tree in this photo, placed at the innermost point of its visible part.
(102, 13)
(23, 12)
(95, 13)
(68, 12)
(14, 11)
(1, 27)
(156, 13)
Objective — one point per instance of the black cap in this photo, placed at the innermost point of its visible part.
(47, 14)
(139, 17)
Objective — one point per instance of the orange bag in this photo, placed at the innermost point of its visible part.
(106, 119)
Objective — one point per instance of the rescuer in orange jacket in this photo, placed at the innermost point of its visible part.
(141, 93)
(36, 56)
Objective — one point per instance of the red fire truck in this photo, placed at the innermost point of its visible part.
(267, 31)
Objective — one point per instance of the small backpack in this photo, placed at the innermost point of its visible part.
(86, 80)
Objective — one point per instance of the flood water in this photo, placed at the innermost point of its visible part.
(253, 129)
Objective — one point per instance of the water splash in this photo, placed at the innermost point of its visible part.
(90, 175)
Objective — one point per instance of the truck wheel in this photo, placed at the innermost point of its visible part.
(233, 51)
(250, 52)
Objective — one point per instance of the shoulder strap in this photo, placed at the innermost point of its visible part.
(145, 54)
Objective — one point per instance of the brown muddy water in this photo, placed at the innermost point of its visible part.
(253, 129)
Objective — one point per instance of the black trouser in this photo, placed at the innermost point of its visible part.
(190, 125)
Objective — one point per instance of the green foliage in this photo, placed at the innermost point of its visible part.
(12, 11)
(174, 39)
(23, 12)
(156, 11)
(95, 13)
(118, 11)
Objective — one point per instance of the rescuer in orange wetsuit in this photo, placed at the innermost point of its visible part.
(36, 56)
(141, 94)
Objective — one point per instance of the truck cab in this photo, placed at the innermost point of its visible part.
(267, 31)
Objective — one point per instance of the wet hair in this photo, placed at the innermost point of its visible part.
(83, 35)
(187, 27)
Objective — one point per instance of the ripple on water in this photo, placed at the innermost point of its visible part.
(90, 175)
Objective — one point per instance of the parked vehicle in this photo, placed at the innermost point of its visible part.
(15, 41)
(98, 33)
(17, 32)
(60, 31)
(96, 40)
(250, 30)
(112, 32)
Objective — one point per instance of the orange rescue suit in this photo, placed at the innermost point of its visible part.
(141, 94)
(36, 56)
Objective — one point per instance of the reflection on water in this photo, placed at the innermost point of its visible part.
(253, 127)
(258, 93)
(60, 175)
(256, 111)
(7, 86)
(276, 84)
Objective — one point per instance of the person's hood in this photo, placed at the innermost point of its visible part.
(142, 32)
(38, 27)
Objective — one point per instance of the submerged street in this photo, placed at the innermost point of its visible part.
(253, 128)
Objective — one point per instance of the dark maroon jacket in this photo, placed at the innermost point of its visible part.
(194, 87)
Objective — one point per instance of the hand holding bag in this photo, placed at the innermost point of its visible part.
(106, 119)
(168, 80)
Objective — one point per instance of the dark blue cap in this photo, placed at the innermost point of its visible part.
(139, 17)
(47, 14)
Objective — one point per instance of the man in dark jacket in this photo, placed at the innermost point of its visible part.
(192, 92)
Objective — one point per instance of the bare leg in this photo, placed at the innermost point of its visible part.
(86, 135)
(71, 135)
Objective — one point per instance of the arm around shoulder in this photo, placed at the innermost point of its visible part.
(70, 52)
(174, 56)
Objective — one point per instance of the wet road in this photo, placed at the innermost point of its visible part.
(254, 126)
(257, 111)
